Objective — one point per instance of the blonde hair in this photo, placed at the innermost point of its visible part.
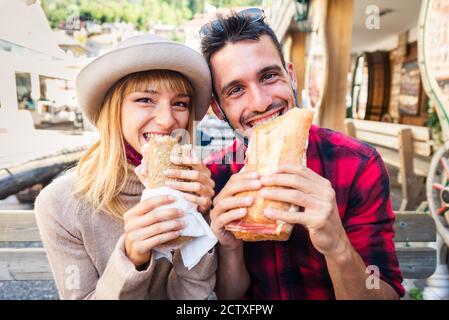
(102, 170)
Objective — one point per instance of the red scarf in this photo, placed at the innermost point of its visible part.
(133, 157)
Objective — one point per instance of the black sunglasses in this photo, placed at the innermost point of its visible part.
(255, 15)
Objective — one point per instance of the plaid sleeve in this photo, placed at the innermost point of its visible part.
(224, 163)
(369, 221)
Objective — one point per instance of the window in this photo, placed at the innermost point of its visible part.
(23, 85)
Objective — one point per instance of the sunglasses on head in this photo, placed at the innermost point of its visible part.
(254, 14)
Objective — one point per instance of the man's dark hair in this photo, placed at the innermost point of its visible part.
(233, 28)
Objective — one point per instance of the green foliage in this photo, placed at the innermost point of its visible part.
(433, 122)
(416, 294)
(196, 5)
(139, 12)
(142, 13)
(235, 3)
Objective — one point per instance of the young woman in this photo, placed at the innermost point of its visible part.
(98, 236)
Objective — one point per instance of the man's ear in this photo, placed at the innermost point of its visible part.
(292, 74)
(216, 108)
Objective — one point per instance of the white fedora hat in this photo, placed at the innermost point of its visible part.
(136, 54)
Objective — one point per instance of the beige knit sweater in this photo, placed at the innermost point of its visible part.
(87, 257)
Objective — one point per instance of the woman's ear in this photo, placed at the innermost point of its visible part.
(216, 108)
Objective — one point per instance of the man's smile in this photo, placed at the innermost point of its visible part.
(269, 115)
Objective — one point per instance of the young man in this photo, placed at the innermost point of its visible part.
(347, 222)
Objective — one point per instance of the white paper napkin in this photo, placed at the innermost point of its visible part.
(195, 226)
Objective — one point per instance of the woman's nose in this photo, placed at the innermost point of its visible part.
(164, 117)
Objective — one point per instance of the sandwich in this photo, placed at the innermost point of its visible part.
(156, 155)
(282, 140)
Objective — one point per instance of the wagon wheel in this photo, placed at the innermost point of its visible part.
(437, 189)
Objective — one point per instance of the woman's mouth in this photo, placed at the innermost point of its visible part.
(148, 135)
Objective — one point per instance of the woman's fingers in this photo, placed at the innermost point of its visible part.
(153, 242)
(147, 205)
(158, 228)
(157, 215)
(203, 203)
(185, 174)
(191, 175)
(164, 226)
(193, 162)
(196, 182)
(192, 187)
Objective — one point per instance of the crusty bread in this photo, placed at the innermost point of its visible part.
(159, 149)
(251, 235)
(282, 140)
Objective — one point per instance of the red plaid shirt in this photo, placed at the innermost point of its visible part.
(295, 269)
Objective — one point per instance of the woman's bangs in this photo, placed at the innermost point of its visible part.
(159, 80)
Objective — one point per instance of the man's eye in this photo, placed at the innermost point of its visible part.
(235, 91)
(269, 76)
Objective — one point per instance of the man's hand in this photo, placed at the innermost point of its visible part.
(228, 207)
(315, 194)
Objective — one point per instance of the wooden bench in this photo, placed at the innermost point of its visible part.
(413, 231)
(416, 262)
(408, 148)
(21, 263)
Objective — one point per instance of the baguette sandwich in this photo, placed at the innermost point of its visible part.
(282, 140)
(156, 159)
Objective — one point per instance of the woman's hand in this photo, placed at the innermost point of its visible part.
(197, 185)
(147, 227)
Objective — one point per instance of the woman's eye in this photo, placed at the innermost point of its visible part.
(181, 104)
(144, 100)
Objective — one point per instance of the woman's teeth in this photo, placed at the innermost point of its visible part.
(261, 121)
(149, 135)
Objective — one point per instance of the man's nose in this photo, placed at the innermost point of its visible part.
(260, 100)
(164, 117)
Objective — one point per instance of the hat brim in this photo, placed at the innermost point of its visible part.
(96, 78)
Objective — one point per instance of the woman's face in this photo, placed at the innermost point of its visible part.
(153, 112)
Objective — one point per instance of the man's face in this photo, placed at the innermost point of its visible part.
(251, 83)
